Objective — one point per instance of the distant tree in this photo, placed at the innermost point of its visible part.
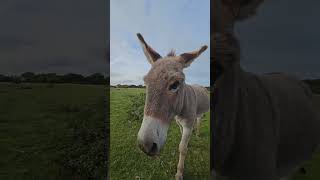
(16, 79)
(314, 85)
(39, 78)
(2, 78)
(52, 78)
(96, 78)
(5, 78)
(73, 78)
(312, 81)
(28, 76)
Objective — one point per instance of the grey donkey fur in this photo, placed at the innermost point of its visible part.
(265, 126)
(168, 97)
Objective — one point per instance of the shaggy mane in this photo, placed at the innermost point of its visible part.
(172, 53)
(248, 8)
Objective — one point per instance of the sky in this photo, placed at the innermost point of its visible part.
(68, 36)
(60, 36)
(283, 37)
(183, 25)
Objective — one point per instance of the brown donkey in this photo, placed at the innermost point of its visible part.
(168, 96)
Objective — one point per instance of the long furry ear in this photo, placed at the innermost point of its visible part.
(150, 53)
(243, 9)
(187, 58)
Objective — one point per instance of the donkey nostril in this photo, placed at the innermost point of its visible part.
(153, 149)
(149, 148)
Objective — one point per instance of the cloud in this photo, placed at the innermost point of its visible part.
(53, 36)
(182, 25)
(14, 44)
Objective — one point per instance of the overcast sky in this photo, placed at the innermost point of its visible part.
(183, 25)
(59, 36)
(283, 37)
(68, 36)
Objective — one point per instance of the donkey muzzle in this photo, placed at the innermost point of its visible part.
(148, 147)
(152, 135)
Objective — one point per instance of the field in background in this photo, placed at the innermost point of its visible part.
(128, 162)
(51, 131)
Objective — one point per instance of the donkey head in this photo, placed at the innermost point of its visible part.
(226, 13)
(164, 95)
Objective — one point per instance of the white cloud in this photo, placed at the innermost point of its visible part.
(182, 25)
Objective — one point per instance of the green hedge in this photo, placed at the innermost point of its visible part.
(86, 153)
(136, 107)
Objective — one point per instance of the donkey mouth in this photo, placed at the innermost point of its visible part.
(150, 149)
(152, 136)
(154, 150)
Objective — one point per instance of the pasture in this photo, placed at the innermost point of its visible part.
(127, 161)
(51, 131)
(56, 132)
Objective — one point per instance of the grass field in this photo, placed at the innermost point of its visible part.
(128, 162)
(54, 132)
(44, 127)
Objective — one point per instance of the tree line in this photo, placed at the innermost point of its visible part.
(135, 86)
(127, 86)
(30, 77)
(313, 83)
(96, 78)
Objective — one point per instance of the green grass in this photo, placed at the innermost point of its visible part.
(37, 129)
(128, 162)
(38, 125)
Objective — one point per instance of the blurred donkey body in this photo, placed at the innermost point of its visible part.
(265, 126)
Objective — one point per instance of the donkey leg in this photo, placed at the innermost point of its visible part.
(183, 148)
(180, 126)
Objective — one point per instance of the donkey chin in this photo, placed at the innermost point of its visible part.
(152, 135)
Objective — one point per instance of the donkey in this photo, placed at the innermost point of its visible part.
(264, 126)
(168, 96)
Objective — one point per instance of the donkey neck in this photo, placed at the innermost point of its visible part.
(186, 100)
(226, 91)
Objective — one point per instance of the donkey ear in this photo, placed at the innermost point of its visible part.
(243, 9)
(187, 58)
(151, 54)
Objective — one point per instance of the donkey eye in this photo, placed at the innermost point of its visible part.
(174, 86)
